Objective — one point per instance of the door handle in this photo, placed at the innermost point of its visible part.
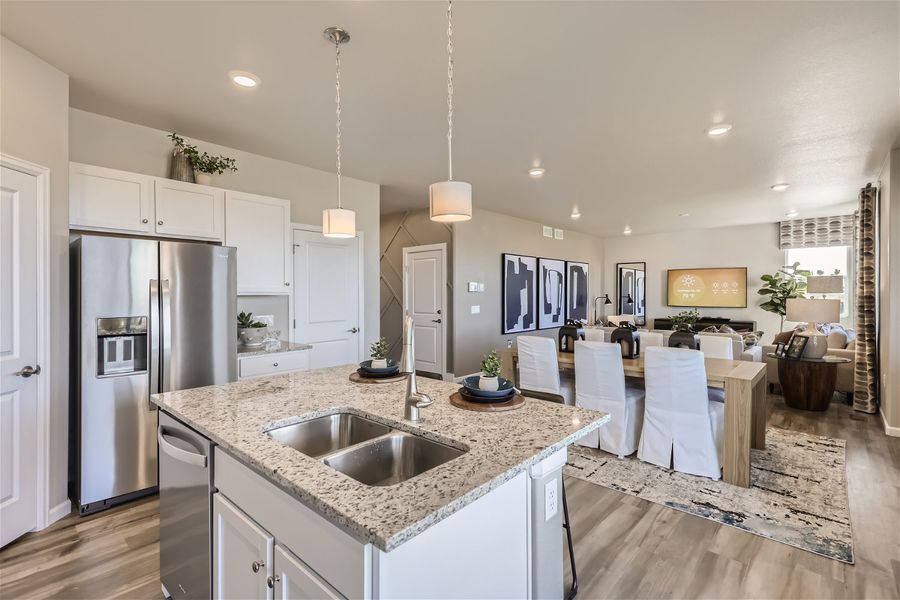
(166, 334)
(191, 458)
(354, 330)
(435, 320)
(27, 371)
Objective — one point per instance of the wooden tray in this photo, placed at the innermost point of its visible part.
(357, 378)
(517, 401)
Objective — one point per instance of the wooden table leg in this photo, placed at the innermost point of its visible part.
(760, 414)
(738, 430)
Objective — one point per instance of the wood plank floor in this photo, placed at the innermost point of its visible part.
(625, 547)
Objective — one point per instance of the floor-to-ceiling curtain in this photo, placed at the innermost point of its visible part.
(865, 387)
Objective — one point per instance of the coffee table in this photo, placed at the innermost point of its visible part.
(808, 383)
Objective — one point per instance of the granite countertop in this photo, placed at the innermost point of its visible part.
(500, 445)
(270, 348)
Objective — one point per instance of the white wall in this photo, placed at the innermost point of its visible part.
(889, 293)
(751, 246)
(99, 140)
(34, 97)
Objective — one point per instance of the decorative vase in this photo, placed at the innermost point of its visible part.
(816, 343)
(202, 178)
(488, 383)
(379, 363)
(252, 336)
(181, 169)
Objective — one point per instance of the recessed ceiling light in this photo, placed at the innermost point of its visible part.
(718, 129)
(576, 214)
(627, 230)
(684, 215)
(791, 213)
(536, 171)
(244, 78)
(780, 187)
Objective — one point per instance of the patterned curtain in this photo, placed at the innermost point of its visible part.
(818, 232)
(865, 386)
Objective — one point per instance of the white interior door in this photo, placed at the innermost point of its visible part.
(18, 354)
(326, 298)
(424, 299)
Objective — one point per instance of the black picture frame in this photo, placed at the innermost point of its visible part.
(795, 347)
(551, 293)
(519, 294)
(578, 285)
(779, 348)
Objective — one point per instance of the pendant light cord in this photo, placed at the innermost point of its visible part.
(337, 114)
(450, 89)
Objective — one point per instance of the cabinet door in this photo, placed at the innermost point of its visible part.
(293, 580)
(109, 200)
(242, 554)
(259, 228)
(188, 210)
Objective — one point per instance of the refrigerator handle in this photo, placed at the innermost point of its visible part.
(154, 339)
(166, 336)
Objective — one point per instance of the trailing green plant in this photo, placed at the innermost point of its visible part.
(205, 162)
(491, 365)
(380, 349)
(246, 321)
(685, 317)
(786, 283)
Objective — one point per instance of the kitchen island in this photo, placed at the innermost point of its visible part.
(469, 527)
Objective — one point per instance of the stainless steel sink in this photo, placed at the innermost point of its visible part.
(391, 459)
(324, 435)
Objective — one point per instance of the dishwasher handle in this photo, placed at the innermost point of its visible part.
(191, 458)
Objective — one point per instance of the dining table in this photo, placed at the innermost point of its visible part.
(744, 383)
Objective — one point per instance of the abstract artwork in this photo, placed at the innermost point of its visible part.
(551, 293)
(577, 282)
(519, 293)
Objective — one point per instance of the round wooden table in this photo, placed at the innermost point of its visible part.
(808, 383)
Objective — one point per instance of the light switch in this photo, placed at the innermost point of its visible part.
(480, 287)
(476, 309)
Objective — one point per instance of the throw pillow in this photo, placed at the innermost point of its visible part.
(726, 329)
(710, 329)
(837, 338)
(783, 338)
(751, 338)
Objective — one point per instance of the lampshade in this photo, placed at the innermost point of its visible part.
(825, 284)
(338, 223)
(813, 311)
(606, 300)
(450, 201)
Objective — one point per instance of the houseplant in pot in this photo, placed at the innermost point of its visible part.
(490, 371)
(684, 321)
(250, 331)
(206, 165)
(189, 164)
(379, 352)
(786, 283)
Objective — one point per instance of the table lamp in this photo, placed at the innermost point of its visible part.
(813, 311)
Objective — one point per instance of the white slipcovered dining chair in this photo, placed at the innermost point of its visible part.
(683, 429)
(716, 346)
(593, 334)
(650, 339)
(600, 385)
(538, 365)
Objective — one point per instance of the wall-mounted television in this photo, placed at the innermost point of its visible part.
(708, 287)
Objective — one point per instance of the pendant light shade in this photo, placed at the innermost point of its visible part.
(450, 201)
(338, 223)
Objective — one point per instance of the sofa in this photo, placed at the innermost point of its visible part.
(840, 345)
(752, 354)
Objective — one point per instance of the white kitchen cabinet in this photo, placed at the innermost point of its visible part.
(259, 227)
(293, 580)
(273, 364)
(189, 210)
(242, 554)
(102, 199)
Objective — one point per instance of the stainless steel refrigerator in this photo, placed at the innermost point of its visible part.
(148, 316)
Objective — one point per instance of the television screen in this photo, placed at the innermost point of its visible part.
(720, 288)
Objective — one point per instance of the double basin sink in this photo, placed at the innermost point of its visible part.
(372, 453)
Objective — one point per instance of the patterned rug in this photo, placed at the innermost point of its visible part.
(797, 494)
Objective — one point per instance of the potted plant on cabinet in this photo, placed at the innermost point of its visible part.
(490, 371)
(199, 167)
(379, 352)
(206, 165)
(250, 331)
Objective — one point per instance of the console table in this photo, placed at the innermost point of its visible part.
(704, 322)
(808, 383)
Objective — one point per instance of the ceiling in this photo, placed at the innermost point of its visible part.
(612, 98)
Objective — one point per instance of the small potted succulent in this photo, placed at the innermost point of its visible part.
(490, 371)
(379, 352)
(202, 166)
(250, 331)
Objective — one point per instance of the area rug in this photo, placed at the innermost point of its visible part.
(797, 495)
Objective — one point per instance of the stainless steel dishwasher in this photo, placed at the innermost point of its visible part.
(185, 485)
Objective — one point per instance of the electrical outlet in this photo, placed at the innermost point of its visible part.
(551, 499)
(476, 309)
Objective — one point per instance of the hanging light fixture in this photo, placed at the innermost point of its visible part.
(450, 201)
(338, 222)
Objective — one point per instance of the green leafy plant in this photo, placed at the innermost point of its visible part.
(380, 349)
(491, 365)
(685, 318)
(245, 321)
(205, 162)
(786, 283)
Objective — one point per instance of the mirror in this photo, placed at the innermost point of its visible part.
(631, 292)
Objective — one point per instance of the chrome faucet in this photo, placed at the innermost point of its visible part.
(414, 398)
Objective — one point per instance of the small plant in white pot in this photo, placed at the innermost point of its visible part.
(379, 352)
(490, 371)
(250, 331)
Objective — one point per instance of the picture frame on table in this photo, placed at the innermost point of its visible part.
(795, 347)
(779, 349)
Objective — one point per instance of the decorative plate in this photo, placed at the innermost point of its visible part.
(367, 368)
(505, 389)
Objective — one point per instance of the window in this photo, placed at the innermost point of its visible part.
(827, 260)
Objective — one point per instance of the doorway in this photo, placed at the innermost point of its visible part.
(425, 300)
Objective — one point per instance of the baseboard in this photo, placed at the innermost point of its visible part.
(888, 430)
(59, 511)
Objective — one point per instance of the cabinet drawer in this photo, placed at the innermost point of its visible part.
(269, 364)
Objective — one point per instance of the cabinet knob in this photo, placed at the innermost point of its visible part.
(257, 565)
(287, 284)
(145, 220)
(271, 580)
(159, 222)
(275, 364)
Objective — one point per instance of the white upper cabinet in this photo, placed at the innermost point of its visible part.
(110, 200)
(189, 210)
(259, 227)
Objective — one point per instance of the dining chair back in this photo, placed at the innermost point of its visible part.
(538, 364)
(600, 385)
(682, 427)
(715, 346)
(649, 339)
(593, 334)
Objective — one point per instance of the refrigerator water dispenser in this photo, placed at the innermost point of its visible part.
(121, 345)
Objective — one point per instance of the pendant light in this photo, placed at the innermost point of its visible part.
(338, 222)
(450, 201)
